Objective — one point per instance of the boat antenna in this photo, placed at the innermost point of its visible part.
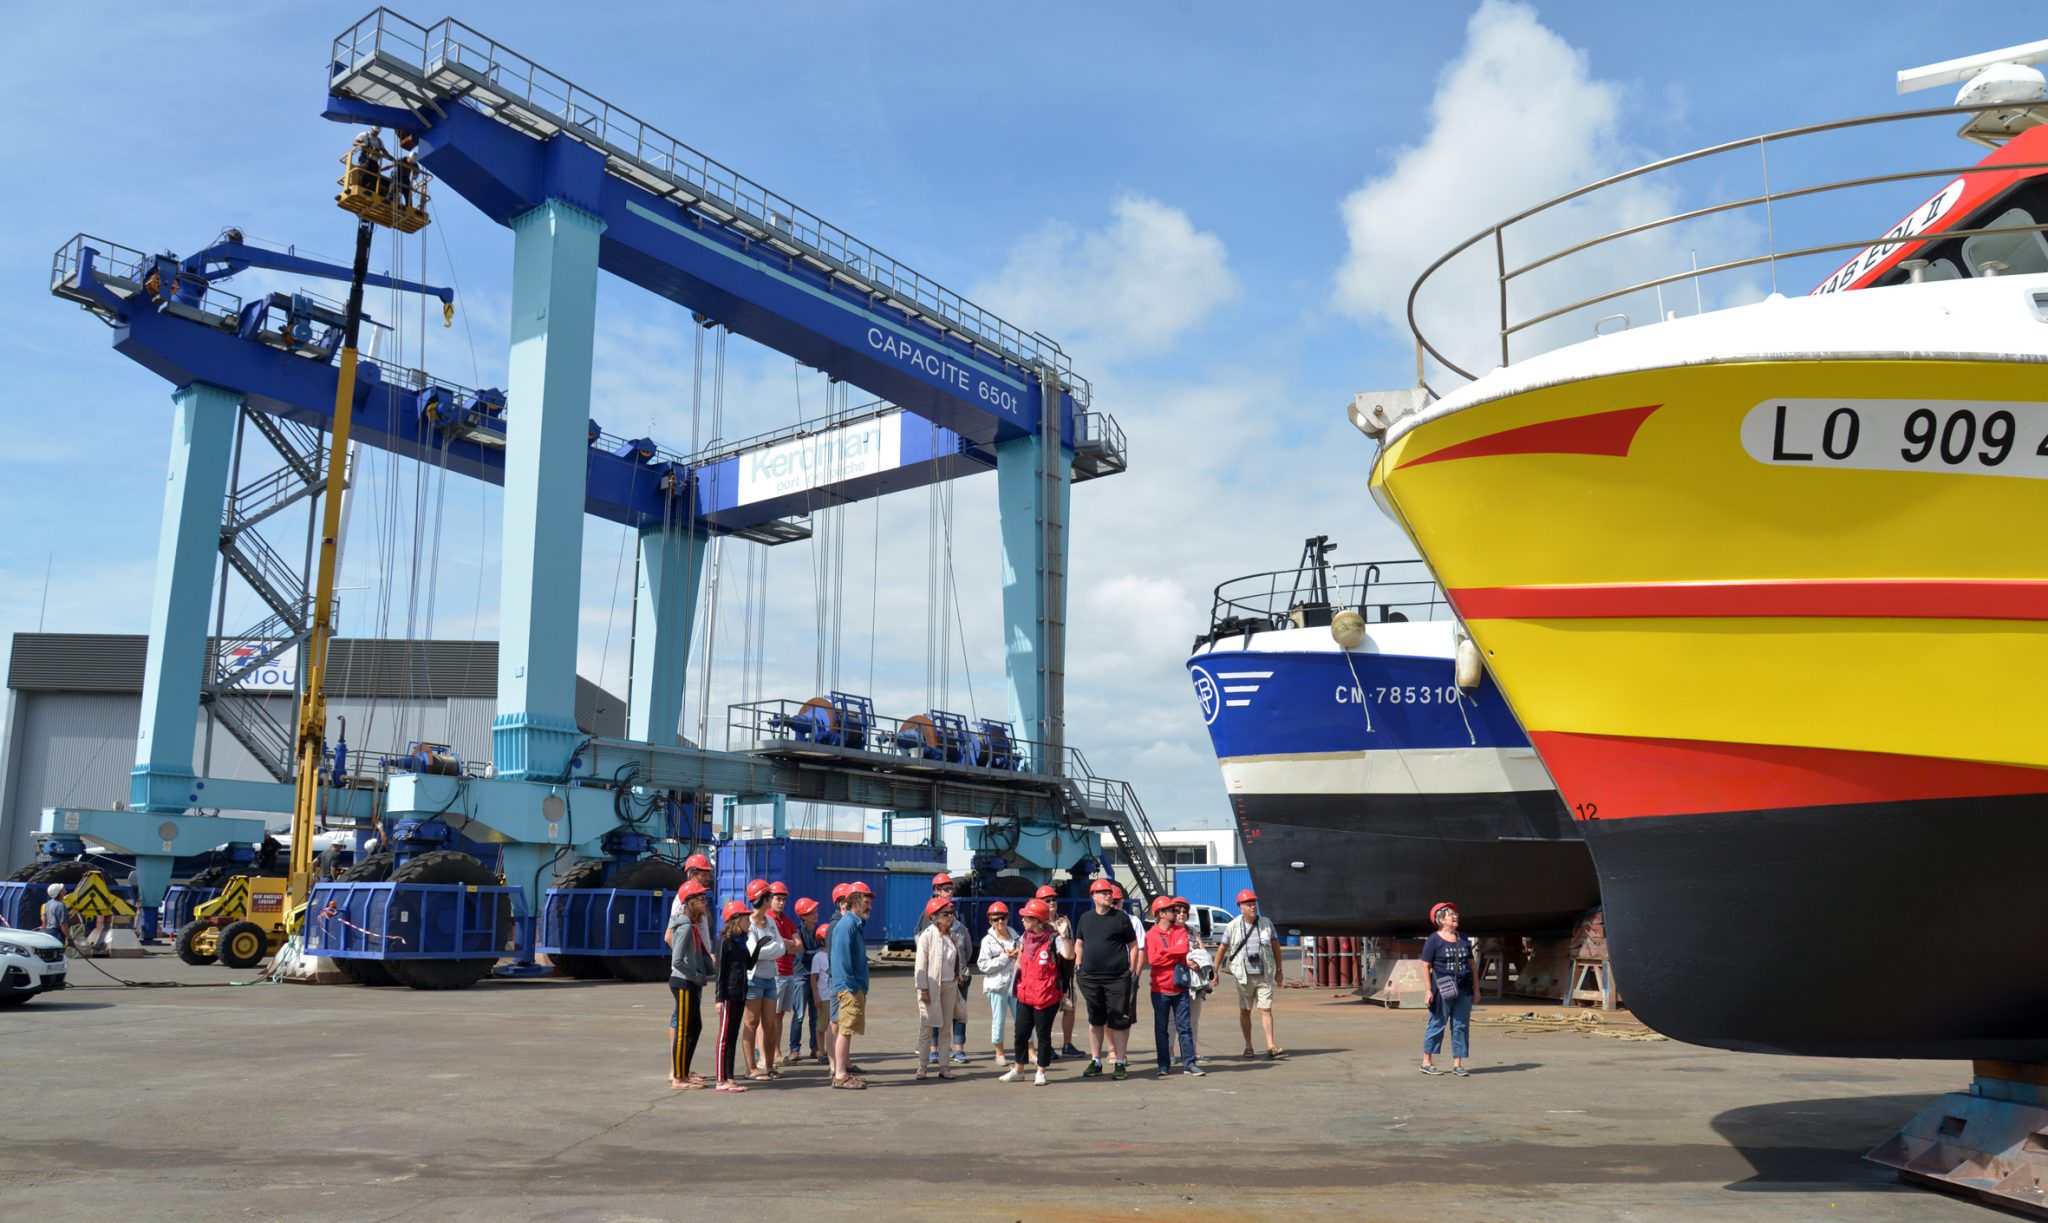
(2005, 78)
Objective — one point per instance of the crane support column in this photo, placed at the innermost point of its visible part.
(664, 614)
(554, 320)
(1034, 477)
(188, 546)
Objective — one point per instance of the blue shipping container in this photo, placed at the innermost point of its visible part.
(1217, 885)
(899, 875)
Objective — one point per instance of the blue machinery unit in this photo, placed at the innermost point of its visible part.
(585, 187)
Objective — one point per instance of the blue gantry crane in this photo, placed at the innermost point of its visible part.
(586, 188)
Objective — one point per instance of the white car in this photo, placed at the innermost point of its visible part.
(30, 963)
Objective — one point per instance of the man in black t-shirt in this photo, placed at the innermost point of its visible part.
(1107, 955)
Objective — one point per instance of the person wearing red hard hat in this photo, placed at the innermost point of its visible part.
(763, 1036)
(1107, 954)
(1449, 965)
(1166, 954)
(849, 967)
(804, 1014)
(690, 967)
(997, 961)
(696, 869)
(1064, 929)
(937, 972)
(1250, 955)
(760, 1007)
(1040, 951)
(943, 888)
(747, 940)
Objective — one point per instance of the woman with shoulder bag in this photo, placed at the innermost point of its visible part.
(1447, 969)
(1166, 952)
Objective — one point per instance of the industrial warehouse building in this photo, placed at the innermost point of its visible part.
(74, 704)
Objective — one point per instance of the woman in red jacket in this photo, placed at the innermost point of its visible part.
(1166, 951)
(1037, 989)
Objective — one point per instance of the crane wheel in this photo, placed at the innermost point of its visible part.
(197, 943)
(648, 874)
(242, 945)
(448, 866)
(588, 873)
(70, 874)
(374, 869)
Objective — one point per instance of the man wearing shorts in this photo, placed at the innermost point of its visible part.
(850, 982)
(1107, 955)
(1250, 953)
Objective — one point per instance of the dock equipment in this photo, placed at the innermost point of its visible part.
(584, 187)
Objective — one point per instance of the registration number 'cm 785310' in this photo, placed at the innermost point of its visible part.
(1979, 437)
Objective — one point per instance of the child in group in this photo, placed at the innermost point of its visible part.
(738, 952)
(690, 968)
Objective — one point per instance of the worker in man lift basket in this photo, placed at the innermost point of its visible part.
(1250, 955)
(942, 889)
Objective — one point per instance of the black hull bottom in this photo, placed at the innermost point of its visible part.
(1374, 864)
(1877, 930)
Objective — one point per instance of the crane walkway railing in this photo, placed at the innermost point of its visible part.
(269, 741)
(386, 59)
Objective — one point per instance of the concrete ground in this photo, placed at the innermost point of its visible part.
(550, 1100)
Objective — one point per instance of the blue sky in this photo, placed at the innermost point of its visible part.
(1161, 186)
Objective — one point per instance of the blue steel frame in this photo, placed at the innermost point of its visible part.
(602, 921)
(180, 899)
(416, 921)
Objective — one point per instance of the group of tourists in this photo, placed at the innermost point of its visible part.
(773, 966)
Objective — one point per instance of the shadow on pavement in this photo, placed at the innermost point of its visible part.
(1796, 1144)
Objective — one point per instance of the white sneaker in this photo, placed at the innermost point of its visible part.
(1010, 1077)
(1040, 1080)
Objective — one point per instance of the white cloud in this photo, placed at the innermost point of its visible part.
(1518, 117)
(1134, 285)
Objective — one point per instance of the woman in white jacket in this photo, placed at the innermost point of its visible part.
(998, 965)
(938, 972)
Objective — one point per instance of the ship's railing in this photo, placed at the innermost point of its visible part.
(456, 49)
(1381, 591)
(1559, 278)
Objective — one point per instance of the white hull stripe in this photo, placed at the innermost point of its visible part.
(1415, 771)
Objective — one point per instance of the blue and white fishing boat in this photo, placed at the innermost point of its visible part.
(1372, 766)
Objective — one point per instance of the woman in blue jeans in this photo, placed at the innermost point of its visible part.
(1447, 961)
(1166, 952)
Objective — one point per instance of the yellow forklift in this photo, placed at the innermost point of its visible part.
(254, 915)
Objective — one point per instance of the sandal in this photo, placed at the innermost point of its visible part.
(774, 1074)
(686, 1085)
(730, 1086)
(849, 1083)
(1275, 1054)
(1248, 1052)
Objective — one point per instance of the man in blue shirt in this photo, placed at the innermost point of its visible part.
(849, 955)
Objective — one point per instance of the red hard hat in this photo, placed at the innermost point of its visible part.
(942, 880)
(696, 862)
(1438, 908)
(778, 888)
(756, 890)
(806, 907)
(692, 888)
(824, 929)
(1101, 885)
(937, 904)
(1161, 903)
(838, 892)
(857, 888)
(1247, 894)
(1181, 902)
(999, 907)
(1116, 891)
(1038, 909)
(734, 908)
(1048, 892)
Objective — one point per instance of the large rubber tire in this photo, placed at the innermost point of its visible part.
(243, 944)
(187, 950)
(648, 874)
(23, 875)
(445, 866)
(1007, 887)
(374, 869)
(211, 877)
(70, 874)
(588, 873)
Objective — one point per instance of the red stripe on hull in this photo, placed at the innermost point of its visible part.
(1902, 598)
(1601, 433)
(1622, 777)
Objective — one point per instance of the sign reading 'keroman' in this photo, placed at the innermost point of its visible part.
(847, 452)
